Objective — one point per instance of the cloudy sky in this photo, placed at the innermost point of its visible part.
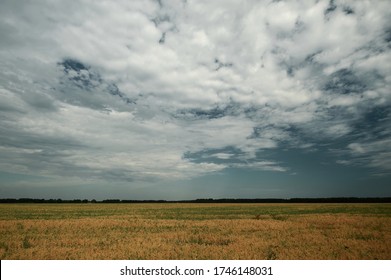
(195, 99)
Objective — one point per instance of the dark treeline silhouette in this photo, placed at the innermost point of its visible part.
(211, 200)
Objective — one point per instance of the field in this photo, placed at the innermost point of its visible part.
(195, 231)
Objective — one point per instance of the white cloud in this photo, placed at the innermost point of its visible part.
(264, 75)
(222, 155)
(375, 153)
(262, 165)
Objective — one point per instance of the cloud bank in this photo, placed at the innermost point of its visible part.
(164, 90)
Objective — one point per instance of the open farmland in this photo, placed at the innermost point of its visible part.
(195, 231)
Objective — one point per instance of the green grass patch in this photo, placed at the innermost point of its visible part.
(184, 211)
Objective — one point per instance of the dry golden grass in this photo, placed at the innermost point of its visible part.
(150, 231)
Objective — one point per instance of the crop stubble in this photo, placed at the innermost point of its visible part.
(195, 231)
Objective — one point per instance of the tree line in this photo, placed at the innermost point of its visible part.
(209, 200)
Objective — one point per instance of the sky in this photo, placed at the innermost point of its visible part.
(195, 99)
